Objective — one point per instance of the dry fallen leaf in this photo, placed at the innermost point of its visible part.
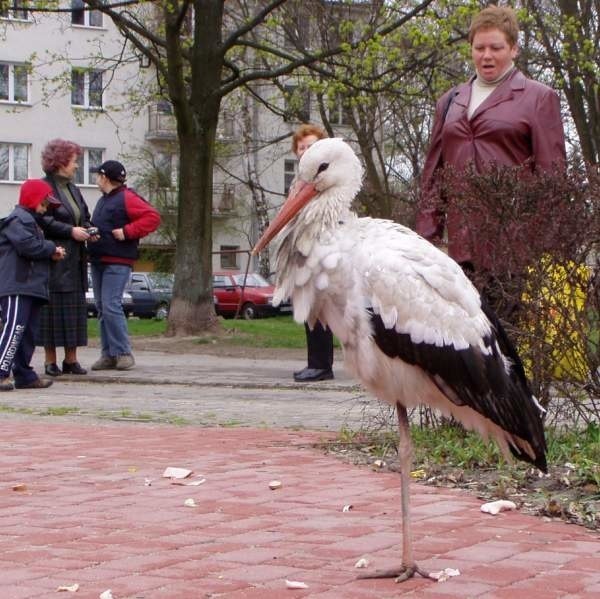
(172, 472)
(294, 584)
(20, 487)
(418, 473)
(274, 484)
(72, 588)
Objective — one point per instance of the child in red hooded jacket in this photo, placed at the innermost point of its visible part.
(24, 273)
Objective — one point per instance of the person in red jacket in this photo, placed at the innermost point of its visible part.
(122, 218)
(499, 117)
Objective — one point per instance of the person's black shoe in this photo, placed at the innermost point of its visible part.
(52, 369)
(6, 384)
(72, 368)
(313, 374)
(35, 384)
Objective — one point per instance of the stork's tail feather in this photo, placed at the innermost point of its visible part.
(533, 448)
(539, 461)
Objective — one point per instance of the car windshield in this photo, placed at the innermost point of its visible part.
(161, 280)
(252, 280)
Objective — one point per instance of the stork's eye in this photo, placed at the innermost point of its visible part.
(322, 167)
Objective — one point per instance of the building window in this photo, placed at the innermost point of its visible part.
(295, 26)
(14, 82)
(86, 88)
(226, 125)
(163, 165)
(83, 17)
(14, 161)
(227, 198)
(297, 104)
(17, 10)
(340, 112)
(92, 157)
(289, 172)
(229, 256)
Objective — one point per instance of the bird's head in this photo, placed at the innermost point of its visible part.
(329, 165)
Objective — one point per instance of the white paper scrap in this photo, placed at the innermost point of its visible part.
(172, 472)
(70, 588)
(495, 507)
(444, 574)
(294, 584)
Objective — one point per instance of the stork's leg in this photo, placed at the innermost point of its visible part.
(408, 568)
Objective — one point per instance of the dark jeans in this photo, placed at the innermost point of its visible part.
(319, 345)
(20, 316)
(109, 281)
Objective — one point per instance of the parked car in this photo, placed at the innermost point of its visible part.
(126, 300)
(151, 293)
(255, 299)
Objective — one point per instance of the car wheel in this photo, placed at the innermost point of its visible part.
(248, 311)
(162, 312)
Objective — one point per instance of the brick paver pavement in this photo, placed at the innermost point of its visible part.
(88, 516)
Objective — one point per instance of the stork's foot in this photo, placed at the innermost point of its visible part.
(398, 574)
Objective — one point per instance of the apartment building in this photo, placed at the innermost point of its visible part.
(54, 83)
(69, 74)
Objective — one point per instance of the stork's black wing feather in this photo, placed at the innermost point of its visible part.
(476, 379)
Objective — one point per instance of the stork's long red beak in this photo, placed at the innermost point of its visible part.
(300, 194)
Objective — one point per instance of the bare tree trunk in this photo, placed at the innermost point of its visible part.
(197, 108)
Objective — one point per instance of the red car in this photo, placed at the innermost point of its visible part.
(254, 296)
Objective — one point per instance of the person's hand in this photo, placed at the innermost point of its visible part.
(59, 253)
(118, 234)
(79, 234)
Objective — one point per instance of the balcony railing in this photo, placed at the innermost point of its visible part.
(161, 124)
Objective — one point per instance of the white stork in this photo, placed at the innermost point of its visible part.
(411, 324)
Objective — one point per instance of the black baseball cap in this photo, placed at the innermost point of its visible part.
(112, 169)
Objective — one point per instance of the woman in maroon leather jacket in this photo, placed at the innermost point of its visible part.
(498, 117)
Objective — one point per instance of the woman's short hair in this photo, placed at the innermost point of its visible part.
(58, 153)
(503, 18)
(304, 131)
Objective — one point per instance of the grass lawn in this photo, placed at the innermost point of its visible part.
(278, 331)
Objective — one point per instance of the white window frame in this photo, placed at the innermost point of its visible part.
(11, 161)
(86, 88)
(84, 176)
(11, 83)
(12, 13)
(87, 14)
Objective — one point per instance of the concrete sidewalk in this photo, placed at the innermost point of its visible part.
(93, 510)
(200, 389)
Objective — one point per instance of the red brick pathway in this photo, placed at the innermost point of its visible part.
(88, 517)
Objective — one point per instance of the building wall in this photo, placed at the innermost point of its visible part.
(50, 43)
